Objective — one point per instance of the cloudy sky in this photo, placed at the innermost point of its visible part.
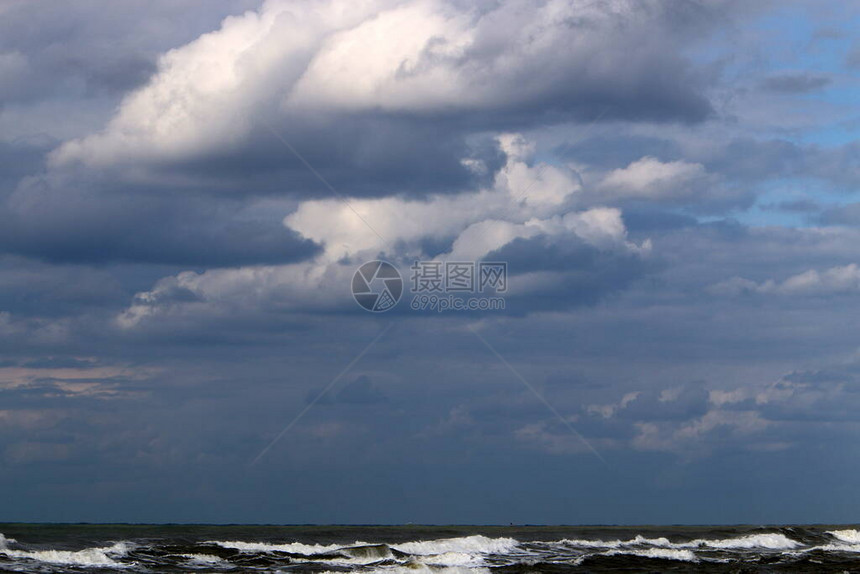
(187, 187)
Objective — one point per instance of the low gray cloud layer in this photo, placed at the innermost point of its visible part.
(187, 189)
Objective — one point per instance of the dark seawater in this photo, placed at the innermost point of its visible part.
(427, 549)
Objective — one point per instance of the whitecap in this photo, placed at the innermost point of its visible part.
(291, 547)
(770, 541)
(203, 559)
(88, 557)
(421, 568)
(581, 543)
(466, 544)
(850, 536)
(639, 539)
(664, 553)
(452, 559)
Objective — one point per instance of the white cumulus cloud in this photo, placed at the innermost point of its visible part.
(353, 230)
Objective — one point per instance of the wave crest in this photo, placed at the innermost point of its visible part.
(769, 541)
(102, 556)
(661, 553)
(850, 536)
(466, 544)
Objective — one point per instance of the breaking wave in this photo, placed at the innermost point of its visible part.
(770, 541)
(203, 559)
(664, 553)
(102, 556)
(290, 547)
(849, 536)
(531, 551)
(468, 544)
(421, 568)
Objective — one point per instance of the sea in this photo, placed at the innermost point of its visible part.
(415, 549)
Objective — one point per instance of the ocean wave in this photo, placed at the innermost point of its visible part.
(466, 544)
(421, 568)
(465, 551)
(452, 559)
(581, 543)
(473, 554)
(203, 559)
(289, 547)
(850, 536)
(359, 555)
(638, 540)
(850, 548)
(102, 556)
(660, 553)
(769, 541)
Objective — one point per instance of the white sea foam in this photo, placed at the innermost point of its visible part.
(353, 555)
(849, 536)
(770, 541)
(664, 553)
(467, 544)
(452, 559)
(421, 568)
(591, 543)
(291, 547)
(636, 541)
(203, 559)
(446, 552)
(848, 541)
(103, 556)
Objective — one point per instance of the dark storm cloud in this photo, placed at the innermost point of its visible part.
(34, 289)
(68, 221)
(20, 158)
(361, 156)
(586, 274)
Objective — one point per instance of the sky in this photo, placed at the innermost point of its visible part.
(187, 190)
